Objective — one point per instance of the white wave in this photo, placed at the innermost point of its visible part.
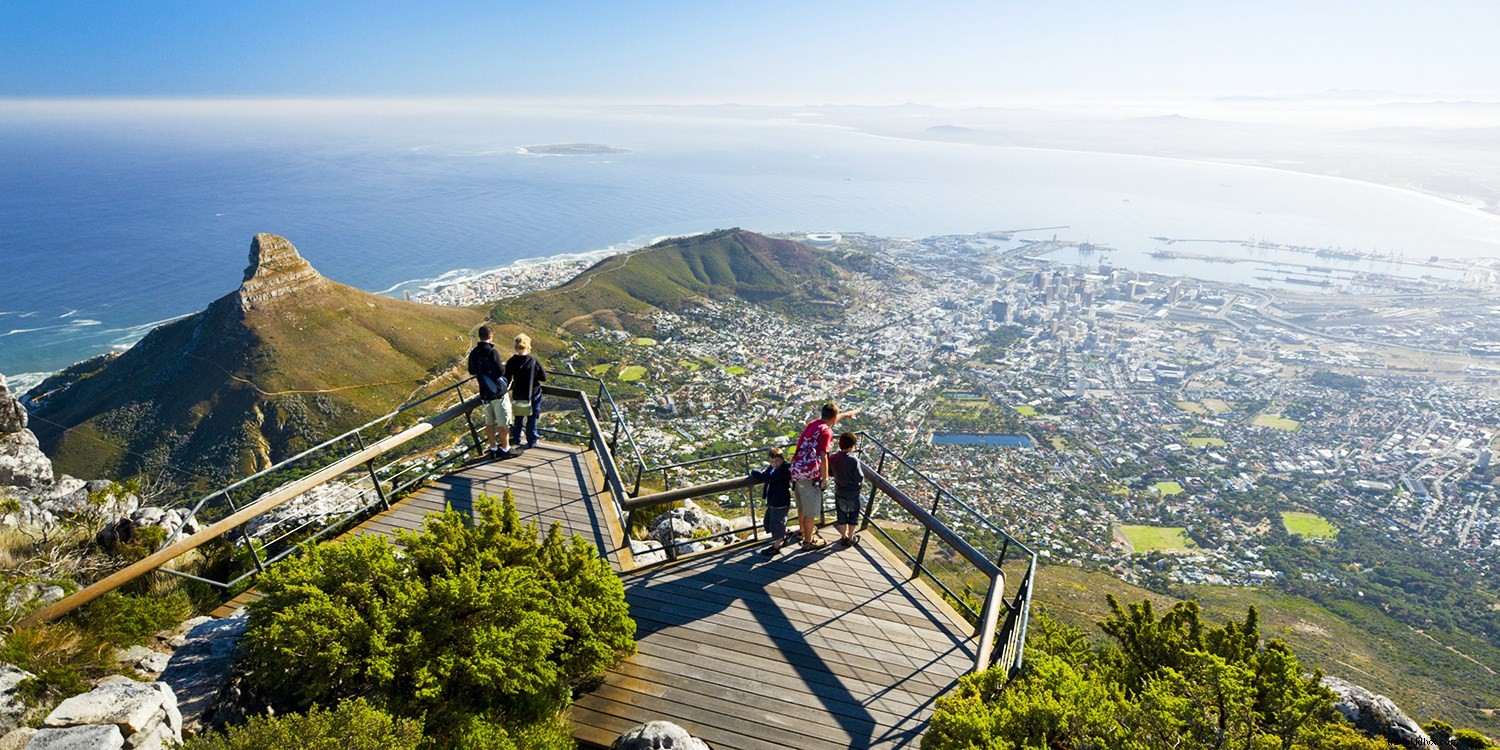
(68, 314)
(81, 322)
(22, 382)
(28, 314)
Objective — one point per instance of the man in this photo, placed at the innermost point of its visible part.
(494, 393)
(810, 473)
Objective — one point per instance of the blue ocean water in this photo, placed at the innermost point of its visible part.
(112, 223)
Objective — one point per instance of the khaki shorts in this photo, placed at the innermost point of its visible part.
(496, 412)
(809, 497)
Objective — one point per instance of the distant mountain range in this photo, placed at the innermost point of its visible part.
(290, 357)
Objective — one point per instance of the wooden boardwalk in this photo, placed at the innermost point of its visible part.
(832, 648)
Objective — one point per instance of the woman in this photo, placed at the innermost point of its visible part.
(526, 376)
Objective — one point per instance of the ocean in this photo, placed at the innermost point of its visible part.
(116, 220)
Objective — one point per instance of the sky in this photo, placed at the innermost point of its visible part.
(756, 51)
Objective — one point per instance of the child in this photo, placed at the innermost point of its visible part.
(778, 494)
(844, 469)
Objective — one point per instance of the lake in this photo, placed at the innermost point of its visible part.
(982, 438)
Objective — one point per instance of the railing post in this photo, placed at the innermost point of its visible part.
(870, 504)
(988, 621)
(379, 491)
(916, 569)
(754, 525)
(614, 435)
(468, 417)
(260, 566)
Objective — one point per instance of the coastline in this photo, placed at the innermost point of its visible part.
(456, 288)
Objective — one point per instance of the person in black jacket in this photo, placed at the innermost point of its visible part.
(494, 393)
(778, 494)
(526, 376)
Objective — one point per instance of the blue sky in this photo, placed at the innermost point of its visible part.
(746, 50)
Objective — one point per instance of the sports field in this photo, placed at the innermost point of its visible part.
(632, 373)
(1192, 407)
(643, 341)
(1276, 422)
(1026, 411)
(1206, 442)
(1154, 538)
(735, 370)
(1168, 489)
(1308, 525)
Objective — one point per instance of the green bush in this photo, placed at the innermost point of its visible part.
(354, 725)
(483, 622)
(1168, 682)
(129, 619)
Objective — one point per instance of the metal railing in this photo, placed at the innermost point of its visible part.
(956, 546)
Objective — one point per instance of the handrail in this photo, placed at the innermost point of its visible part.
(219, 528)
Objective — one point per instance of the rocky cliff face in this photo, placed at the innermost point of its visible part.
(1377, 715)
(22, 463)
(275, 270)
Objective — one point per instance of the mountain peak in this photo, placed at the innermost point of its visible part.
(275, 270)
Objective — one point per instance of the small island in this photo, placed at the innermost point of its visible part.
(571, 149)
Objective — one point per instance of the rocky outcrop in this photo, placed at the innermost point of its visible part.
(654, 735)
(12, 708)
(275, 270)
(328, 501)
(679, 531)
(22, 463)
(202, 666)
(144, 714)
(89, 737)
(1377, 715)
(126, 529)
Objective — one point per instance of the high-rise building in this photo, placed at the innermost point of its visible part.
(1000, 311)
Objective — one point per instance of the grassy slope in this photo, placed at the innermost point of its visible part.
(1426, 678)
(224, 391)
(622, 291)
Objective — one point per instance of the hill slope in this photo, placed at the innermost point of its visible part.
(622, 291)
(1426, 678)
(286, 359)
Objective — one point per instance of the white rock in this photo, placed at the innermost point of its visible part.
(17, 739)
(647, 552)
(154, 662)
(133, 707)
(78, 738)
(327, 501)
(12, 710)
(132, 655)
(22, 463)
(658, 734)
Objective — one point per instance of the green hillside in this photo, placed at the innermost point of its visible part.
(284, 361)
(622, 291)
(1451, 680)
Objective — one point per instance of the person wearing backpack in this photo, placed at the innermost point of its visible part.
(494, 393)
(526, 376)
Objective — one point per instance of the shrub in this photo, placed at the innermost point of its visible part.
(353, 725)
(481, 622)
(126, 619)
(1166, 682)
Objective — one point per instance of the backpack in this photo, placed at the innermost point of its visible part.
(496, 384)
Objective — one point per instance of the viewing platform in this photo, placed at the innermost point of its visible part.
(837, 647)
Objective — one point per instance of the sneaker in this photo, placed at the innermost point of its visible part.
(492, 453)
(531, 445)
(854, 540)
(846, 541)
(772, 550)
(506, 453)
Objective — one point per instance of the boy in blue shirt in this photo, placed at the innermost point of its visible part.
(847, 474)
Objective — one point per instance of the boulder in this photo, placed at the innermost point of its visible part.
(17, 739)
(32, 596)
(78, 738)
(12, 709)
(203, 665)
(12, 414)
(657, 735)
(1377, 715)
(328, 501)
(647, 552)
(22, 463)
(144, 713)
(123, 530)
